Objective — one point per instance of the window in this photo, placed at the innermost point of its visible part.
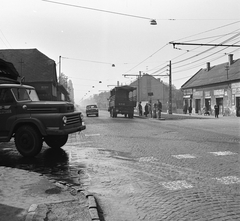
(6, 96)
(21, 94)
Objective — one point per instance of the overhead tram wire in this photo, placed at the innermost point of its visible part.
(207, 56)
(99, 10)
(223, 26)
(147, 58)
(206, 50)
(92, 61)
(216, 37)
(214, 59)
(198, 47)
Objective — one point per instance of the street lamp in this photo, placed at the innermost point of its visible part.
(153, 22)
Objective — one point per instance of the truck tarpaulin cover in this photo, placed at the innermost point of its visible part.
(7, 70)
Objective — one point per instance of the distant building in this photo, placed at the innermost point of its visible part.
(37, 69)
(152, 89)
(219, 84)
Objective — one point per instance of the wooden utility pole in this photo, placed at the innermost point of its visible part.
(59, 69)
(170, 89)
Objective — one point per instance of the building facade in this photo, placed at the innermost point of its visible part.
(217, 85)
(37, 69)
(151, 89)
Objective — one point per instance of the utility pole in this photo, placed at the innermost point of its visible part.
(139, 86)
(59, 69)
(170, 89)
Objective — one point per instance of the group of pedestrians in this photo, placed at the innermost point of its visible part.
(157, 109)
(205, 112)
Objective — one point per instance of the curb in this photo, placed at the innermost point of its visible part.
(92, 205)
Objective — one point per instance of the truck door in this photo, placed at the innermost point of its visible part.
(7, 110)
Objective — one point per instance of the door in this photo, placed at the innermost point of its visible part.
(208, 104)
(238, 106)
(219, 102)
(198, 106)
(7, 110)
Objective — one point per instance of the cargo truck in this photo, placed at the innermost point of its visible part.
(122, 101)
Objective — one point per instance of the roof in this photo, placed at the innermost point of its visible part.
(31, 63)
(217, 74)
(126, 87)
(7, 70)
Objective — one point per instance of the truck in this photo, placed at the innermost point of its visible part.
(121, 101)
(29, 121)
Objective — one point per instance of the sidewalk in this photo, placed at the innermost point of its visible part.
(166, 116)
(29, 196)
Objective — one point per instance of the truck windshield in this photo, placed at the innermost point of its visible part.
(33, 94)
(23, 94)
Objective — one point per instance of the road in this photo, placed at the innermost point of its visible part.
(145, 169)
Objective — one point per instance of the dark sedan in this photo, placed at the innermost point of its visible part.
(92, 110)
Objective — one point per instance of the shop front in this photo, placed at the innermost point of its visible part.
(236, 97)
(197, 96)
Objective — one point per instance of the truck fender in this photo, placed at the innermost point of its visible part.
(33, 121)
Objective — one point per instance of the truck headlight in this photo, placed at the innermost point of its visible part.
(64, 119)
(81, 116)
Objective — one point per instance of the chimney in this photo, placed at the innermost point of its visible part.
(208, 66)
(230, 59)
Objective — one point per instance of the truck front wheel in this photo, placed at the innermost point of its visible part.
(56, 141)
(28, 141)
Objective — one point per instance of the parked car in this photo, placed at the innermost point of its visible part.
(92, 110)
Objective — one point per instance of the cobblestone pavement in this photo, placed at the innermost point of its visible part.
(187, 170)
(29, 196)
(138, 169)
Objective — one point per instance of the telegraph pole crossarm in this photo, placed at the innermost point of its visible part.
(200, 44)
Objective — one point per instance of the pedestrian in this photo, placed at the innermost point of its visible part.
(146, 110)
(159, 108)
(190, 110)
(140, 108)
(185, 109)
(216, 110)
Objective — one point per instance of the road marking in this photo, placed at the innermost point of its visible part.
(176, 185)
(183, 156)
(228, 180)
(91, 135)
(222, 153)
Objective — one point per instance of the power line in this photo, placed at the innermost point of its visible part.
(147, 58)
(223, 26)
(5, 40)
(208, 49)
(92, 61)
(99, 10)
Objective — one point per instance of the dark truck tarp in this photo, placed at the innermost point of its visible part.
(7, 70)
(124, 88)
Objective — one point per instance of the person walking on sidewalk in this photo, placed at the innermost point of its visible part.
(159, 108)
(190, 110)
(140, 108)
(216, 110)
(146, 110)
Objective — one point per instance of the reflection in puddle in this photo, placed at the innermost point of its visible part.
(54, 163)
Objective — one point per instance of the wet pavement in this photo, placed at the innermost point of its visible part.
(178, 170)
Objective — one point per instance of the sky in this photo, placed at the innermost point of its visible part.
(92, 35)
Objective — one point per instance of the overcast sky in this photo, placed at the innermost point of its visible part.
(91, 35)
